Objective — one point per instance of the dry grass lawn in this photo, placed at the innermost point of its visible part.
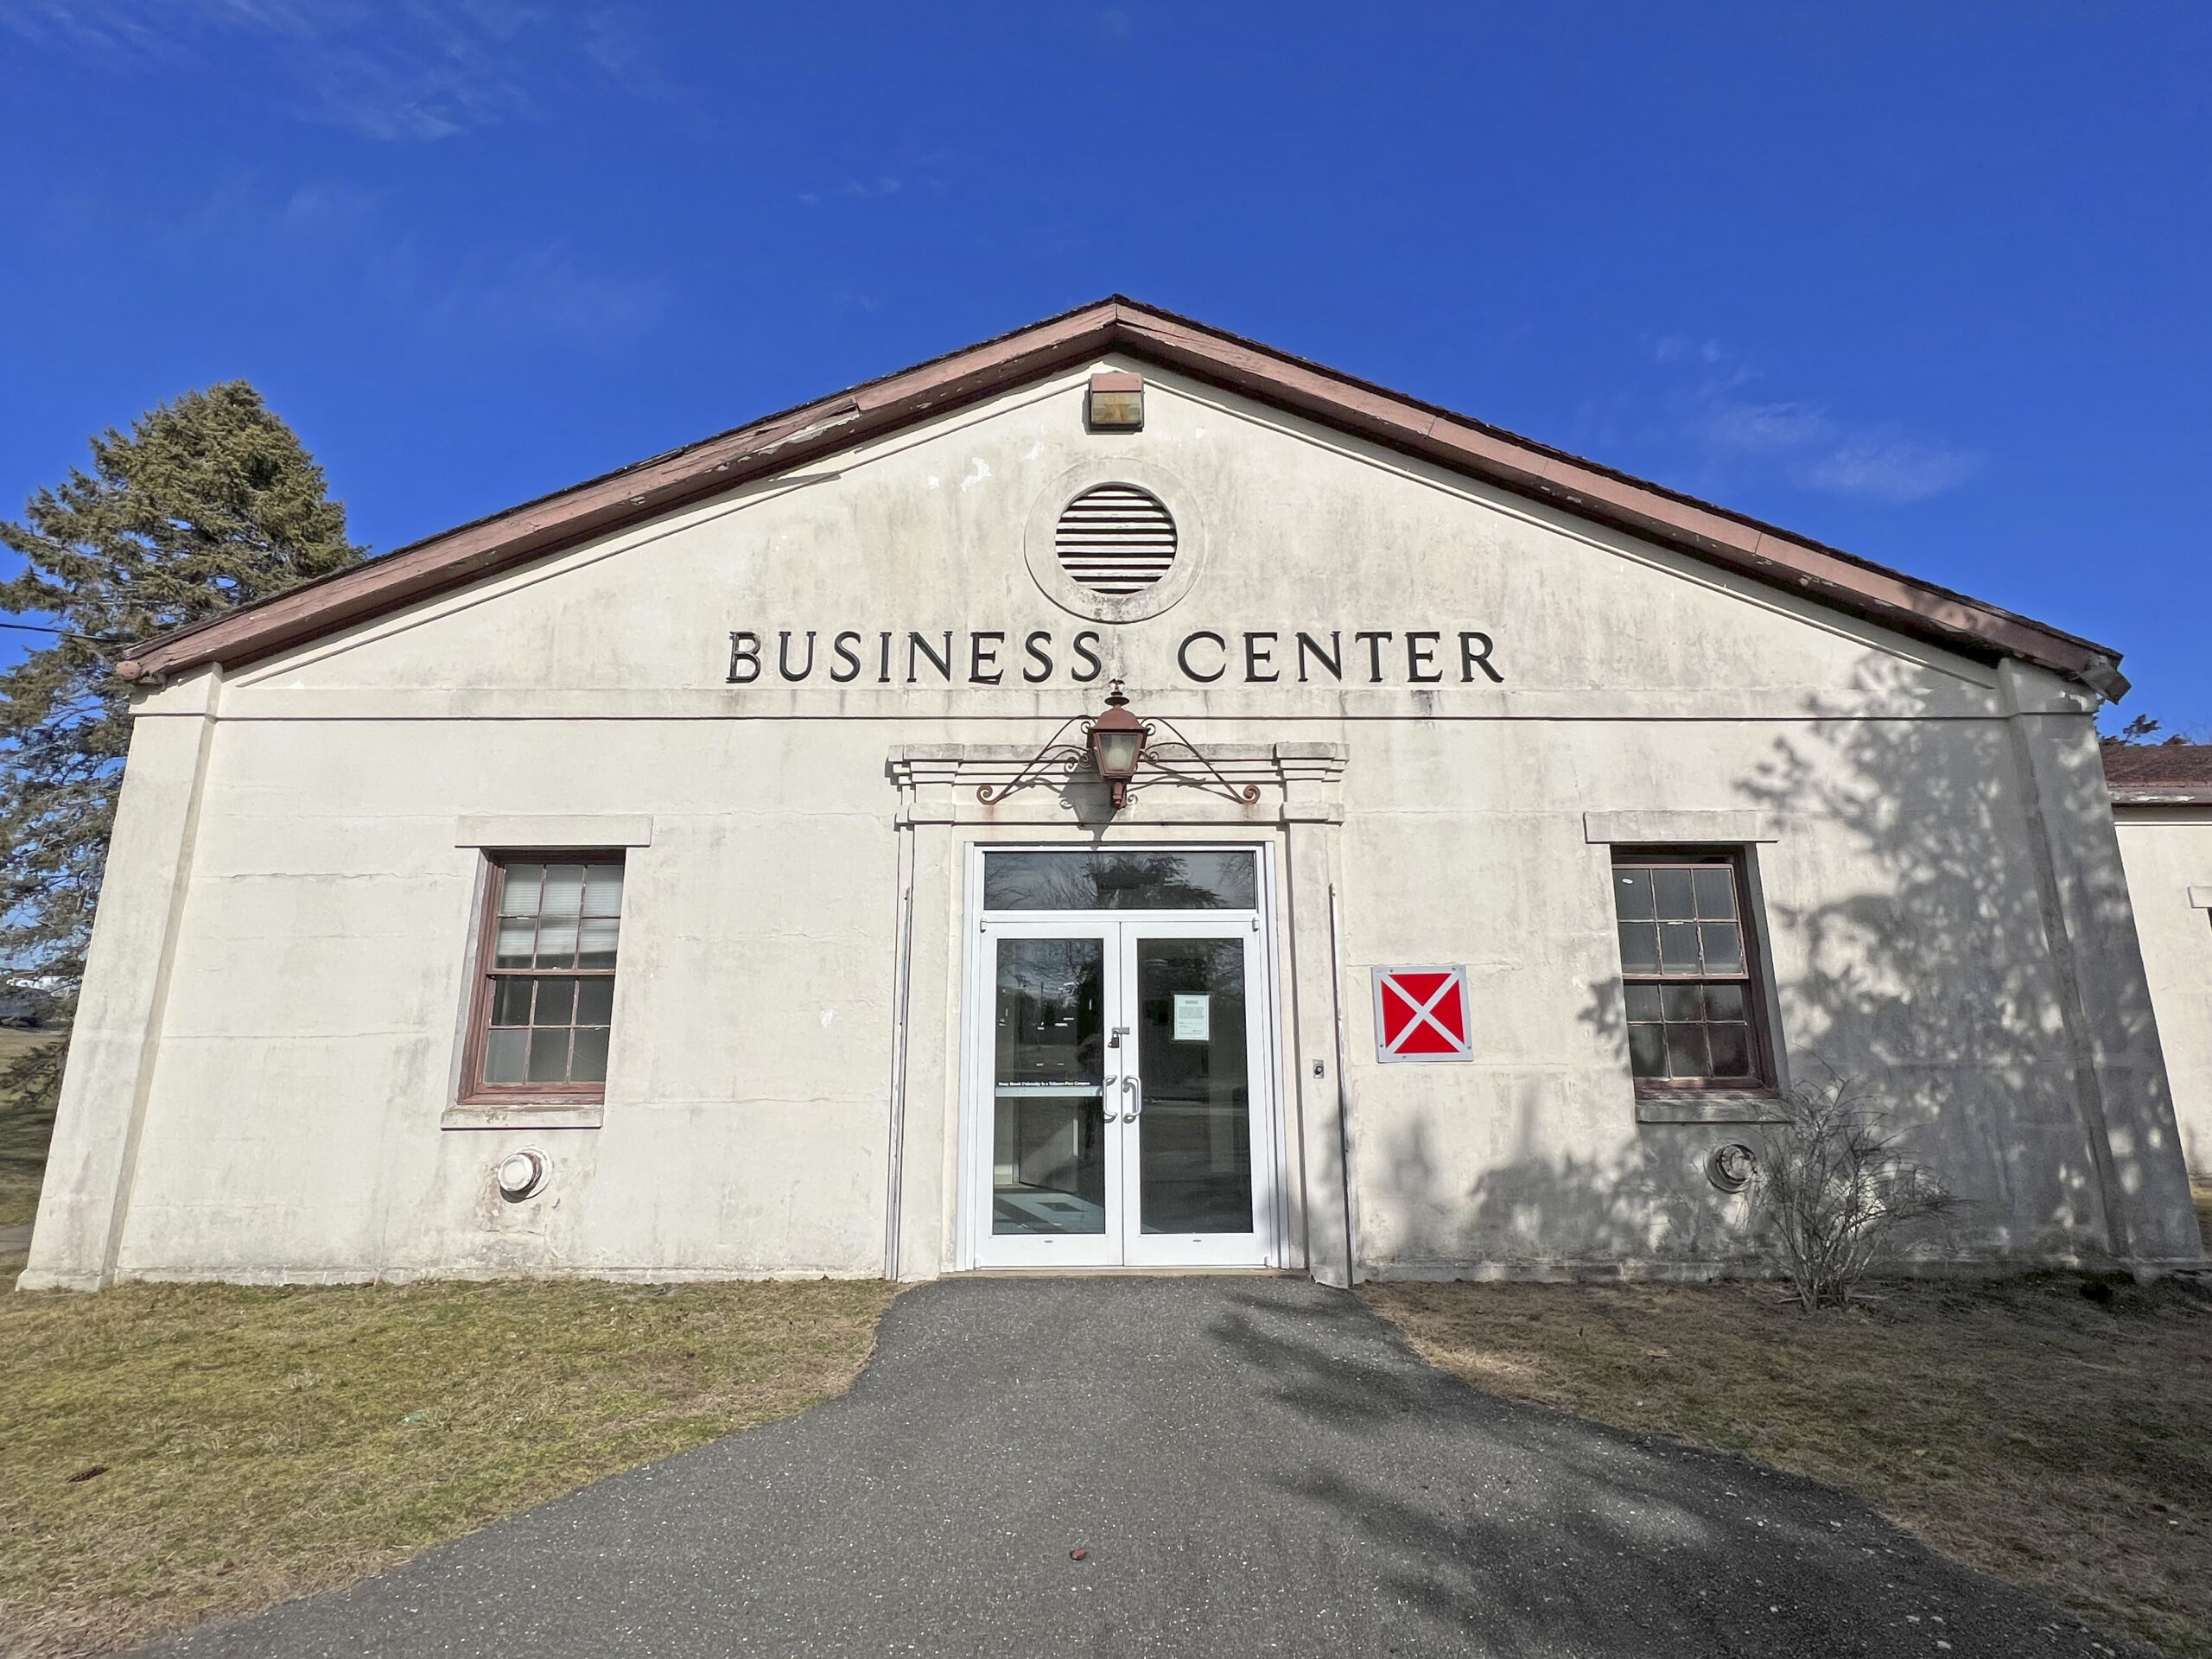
(173, 1453)
(2024, 1428)
(256, 1444)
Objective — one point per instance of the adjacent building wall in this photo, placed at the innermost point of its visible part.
(2168, 850)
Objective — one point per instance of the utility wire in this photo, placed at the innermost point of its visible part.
(64, 633)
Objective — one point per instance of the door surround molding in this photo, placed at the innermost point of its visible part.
(1299, 817)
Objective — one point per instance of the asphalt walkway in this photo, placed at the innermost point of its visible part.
(1250, 1465)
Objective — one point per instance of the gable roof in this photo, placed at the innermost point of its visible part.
(2176, 772)
(781, 442)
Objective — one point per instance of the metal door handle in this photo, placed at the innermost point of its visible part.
(1134, 1093)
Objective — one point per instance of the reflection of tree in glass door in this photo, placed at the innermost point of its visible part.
(1048, 1166)
(1195, 1153)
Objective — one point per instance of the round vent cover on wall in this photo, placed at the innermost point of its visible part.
(523, 1175)
(1115, 539)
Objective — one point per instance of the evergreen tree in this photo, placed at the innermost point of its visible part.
(209, 503)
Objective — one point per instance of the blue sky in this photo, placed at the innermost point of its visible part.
(1927, 283)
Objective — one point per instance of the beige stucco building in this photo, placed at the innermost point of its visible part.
(2162, 800)
(704, 871)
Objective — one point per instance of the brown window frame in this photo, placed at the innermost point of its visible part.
(1758, 1012)
(474, 1091)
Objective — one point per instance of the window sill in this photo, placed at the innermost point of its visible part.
(524, 1115)
(1710, 1106)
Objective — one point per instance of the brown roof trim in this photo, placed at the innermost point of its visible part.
(2172, 773)
(792, 438)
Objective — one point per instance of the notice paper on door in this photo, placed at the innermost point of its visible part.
(1193, 1019)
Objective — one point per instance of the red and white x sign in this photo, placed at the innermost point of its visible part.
(1420, 1014)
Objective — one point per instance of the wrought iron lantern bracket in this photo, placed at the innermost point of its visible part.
(1155, 753)
(1056, 754)
(1195, 770)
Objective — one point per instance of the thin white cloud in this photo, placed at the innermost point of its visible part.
(168, 29)
(1766, 428)
(1894, 470)
(908, 170)
(1734, 434)
(330, 226)
(330, 207)
(1680, 348)
(545, 290)
(96, 28)
(621, 43)
(301, 19)
(410, 72)
(402, 97)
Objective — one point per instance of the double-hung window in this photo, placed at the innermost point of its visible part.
(1689, 971)
(544, 996)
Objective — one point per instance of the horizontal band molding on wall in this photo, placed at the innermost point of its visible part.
(1659, 829)
(585, 831)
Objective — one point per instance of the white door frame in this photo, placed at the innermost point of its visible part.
(1099, 1249)
(1257, 1249)
(975, 1246)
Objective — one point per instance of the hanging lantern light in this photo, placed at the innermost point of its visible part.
(1118, 744)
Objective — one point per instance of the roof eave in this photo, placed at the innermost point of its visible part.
(487, 546)
(791, 439)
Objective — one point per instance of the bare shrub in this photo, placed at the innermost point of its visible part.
(1834, 1189)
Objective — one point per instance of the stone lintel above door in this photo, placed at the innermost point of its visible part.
(1296, 783)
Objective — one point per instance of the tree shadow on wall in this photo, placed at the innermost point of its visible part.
(1928, 976)
(1935, 980)
(1649, 1202)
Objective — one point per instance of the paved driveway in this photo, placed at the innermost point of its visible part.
(1254, 1466)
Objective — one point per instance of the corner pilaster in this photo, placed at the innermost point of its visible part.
(114, 1045)
(2133, 1139)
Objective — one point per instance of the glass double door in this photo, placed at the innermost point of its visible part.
(1124, 1066)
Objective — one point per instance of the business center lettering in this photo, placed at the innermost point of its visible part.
(999, 657)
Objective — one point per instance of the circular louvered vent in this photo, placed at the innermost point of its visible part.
(1115, 539)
